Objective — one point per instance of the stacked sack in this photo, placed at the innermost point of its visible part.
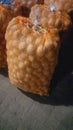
(49, 17)
(33, 46)
(61, 5)
(6, 15)
(23, 7)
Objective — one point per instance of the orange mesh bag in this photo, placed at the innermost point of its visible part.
(60, 5)
(41, 15)
(23, 7)
(32, 55)
(5, 17)
(48, 18)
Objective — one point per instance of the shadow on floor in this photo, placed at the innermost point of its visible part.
(62, 94)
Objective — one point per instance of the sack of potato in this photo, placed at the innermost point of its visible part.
(61, 5)
(32, 55)
(23, 7)
(48, 17)
(5, 16)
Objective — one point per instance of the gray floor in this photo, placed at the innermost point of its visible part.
(24, 111)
